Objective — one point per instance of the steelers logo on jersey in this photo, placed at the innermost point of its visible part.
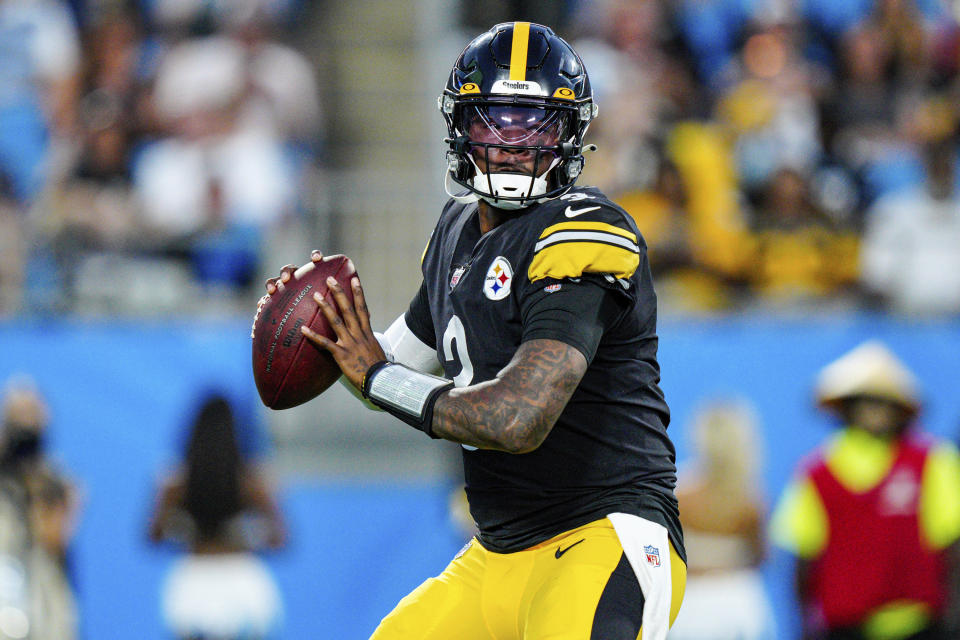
(496, 285)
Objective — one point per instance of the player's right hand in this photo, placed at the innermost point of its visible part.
(286, 272)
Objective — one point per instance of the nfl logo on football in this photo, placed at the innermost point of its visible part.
(653, 555)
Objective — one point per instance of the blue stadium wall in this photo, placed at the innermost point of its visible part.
(120, 394)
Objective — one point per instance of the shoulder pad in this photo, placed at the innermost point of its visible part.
(585, 234)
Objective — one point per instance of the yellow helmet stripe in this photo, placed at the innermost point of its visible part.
(518, 51)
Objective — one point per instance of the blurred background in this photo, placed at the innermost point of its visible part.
(791, 164)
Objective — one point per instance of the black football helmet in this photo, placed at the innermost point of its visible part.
(517, 104)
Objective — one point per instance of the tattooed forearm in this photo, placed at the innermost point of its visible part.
(515, 411)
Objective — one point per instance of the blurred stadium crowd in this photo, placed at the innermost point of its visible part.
(790, 154)
(157, 139)
(774, 152)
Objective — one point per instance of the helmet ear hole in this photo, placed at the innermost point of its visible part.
(574, 168)
(457, 156)
(461, 144)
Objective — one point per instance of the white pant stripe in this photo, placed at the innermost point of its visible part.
(654, 575)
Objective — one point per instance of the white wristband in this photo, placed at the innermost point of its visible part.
(405, 393)
(403, 389)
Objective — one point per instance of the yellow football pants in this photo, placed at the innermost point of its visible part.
(576, 586)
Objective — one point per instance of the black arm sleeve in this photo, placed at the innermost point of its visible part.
(418, 318)
(573, 312)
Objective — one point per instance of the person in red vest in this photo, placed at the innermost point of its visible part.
(871, 514)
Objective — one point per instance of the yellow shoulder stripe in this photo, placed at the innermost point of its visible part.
(570, 249)
(588, 226)
(573, 259)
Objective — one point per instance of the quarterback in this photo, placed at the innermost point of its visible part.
(531, 342)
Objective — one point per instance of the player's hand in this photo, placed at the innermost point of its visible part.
(356, 348)
(273, 284)
(286, 272)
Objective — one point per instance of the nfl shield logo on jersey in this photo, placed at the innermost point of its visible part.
(496, 285)
(457, 274)
(653, 555)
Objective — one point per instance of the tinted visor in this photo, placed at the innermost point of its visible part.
(515, 125)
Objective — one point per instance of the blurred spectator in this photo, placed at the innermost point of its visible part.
(911, 245)
(283, 91)
(683, 284)
(220, 506)
(713, 30)
(801, 256)
(719, 227)
(92, 211)
(39, 64)
(640, 72)
(871, 514)
(723, 522)
(217, 181)
(770, 112)
(12, 251)
(900, 25)
(860, 112)
(37, 511)
(660, 213)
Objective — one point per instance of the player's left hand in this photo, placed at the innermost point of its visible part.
(356, 348)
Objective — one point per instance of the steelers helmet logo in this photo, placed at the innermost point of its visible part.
(496, 284)
(564, 92)
(470, 87)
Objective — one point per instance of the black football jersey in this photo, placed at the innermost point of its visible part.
(609, 450)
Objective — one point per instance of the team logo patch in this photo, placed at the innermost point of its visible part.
(496, 285)
(550, 288)
(653, 555)
(457, 274)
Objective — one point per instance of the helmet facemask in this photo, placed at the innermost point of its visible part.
(513, 154)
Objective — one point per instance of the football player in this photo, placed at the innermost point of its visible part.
(537, 307)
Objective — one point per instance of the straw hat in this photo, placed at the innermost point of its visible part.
(869, 370)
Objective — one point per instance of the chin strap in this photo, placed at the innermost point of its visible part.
(462, 199)
(536, 186)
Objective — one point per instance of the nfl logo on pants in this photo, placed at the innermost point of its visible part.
(653, 555)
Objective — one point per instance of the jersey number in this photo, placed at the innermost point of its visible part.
(456, 337)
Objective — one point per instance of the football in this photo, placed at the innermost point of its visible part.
(289, 369)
